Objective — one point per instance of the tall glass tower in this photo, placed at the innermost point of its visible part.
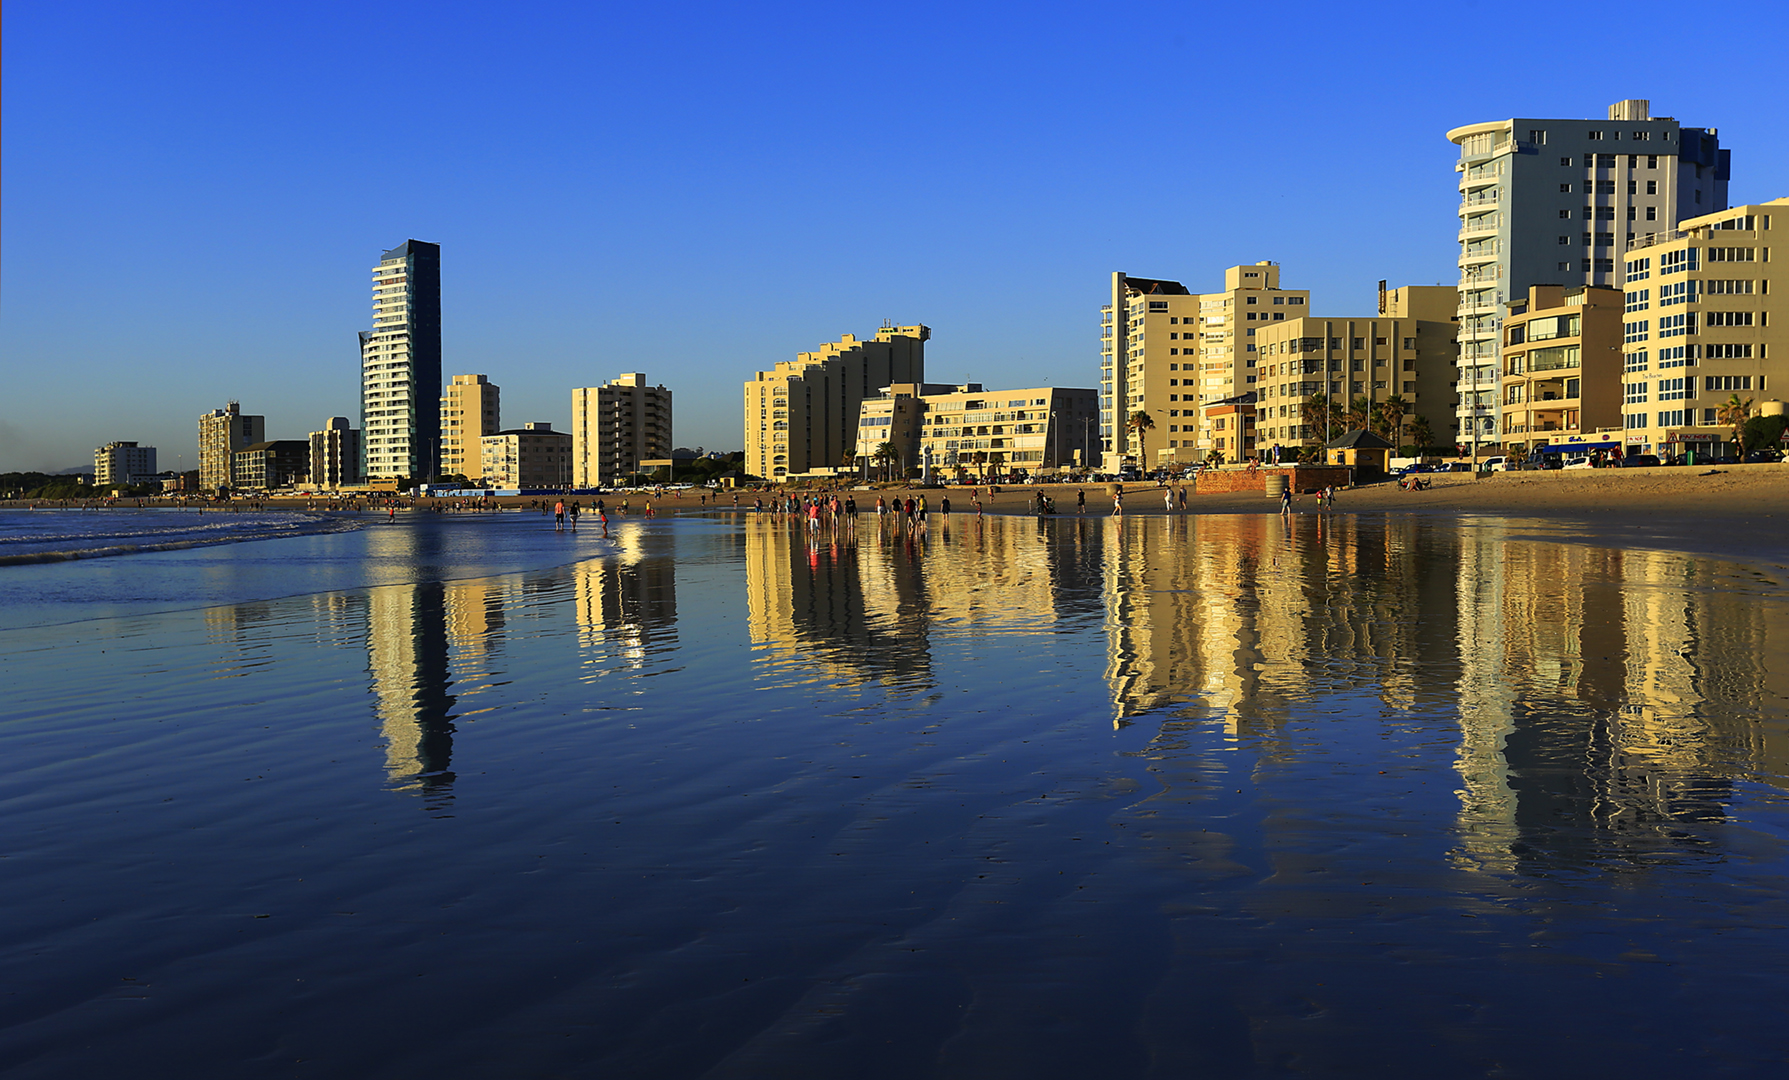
(400, 366)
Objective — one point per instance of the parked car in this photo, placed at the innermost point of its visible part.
(1639, 461)
(1579, 463)
(1496, 464)
(1766, 455)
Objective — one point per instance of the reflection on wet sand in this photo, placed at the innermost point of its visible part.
(1584, 684)
(626, 604)
(407, 658)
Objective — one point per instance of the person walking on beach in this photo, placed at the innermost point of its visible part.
(1117, 501)
(559, 516)
(1180, 493)
(572, 511)
(1168, 499)
(1286, 499)
(1081, 501)
(944, 505)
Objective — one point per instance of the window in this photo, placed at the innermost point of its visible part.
(1565, 215)
(1677, 356)
(1676, 262)
(1632, 332)
(1254, 299)
(1537, 137)
(1635, 361)
(1714, 383)
(1678, 292)
(1639, 269)
(1409, 343)
(1637, 300)
(1726, 318)
(1727, 288)
(1565, 161)
(1677, 325)
(1359, 343)
(1633, 187)
(1294, 300)
(1595, 136)
(1728, 352)
(1605, 187)
(1566, 266)
(1672, 389)
(1605, 266)
(1568, 240)
(1671, 418)
(1635, 420)
(1652, 213)
(1605, 161)
(1731, 254)
(1565, 189)
(1279, 300)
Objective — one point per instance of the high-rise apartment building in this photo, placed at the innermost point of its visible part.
(966, 431)
(335, 455)
(802, 414)
(1702, 324)
(616, 426)
(264, 466)
(1176, 355)
(400, 365)
(470, 407)
(123, 463)
(1554, 202)
(1404, 356)
(222, 432)
(1561, 369)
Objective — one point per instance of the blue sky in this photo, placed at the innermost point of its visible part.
(193, 192)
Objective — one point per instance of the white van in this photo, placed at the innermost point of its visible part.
(1495, 464)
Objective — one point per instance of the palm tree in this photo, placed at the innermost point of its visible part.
(1421, 432)
(1360, 412)
(886, 454)
(1734, 414)
(1391, 414)
(1140, 422)
(1319, 413)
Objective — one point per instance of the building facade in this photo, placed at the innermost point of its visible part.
(222, 432)
(1561, 367)
(616, 426)
(470, 410)
(802, 414)
(965, 431)
(335, 455)
(1170, 353)
(531, 456)
(400, 365)
(1701, 324)
(1555, 202)
(264, 466)
(1403, 356)
(123, 463)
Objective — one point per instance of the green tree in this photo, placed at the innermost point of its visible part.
(1318, 412)
(1421, 433)
(1140, 423)
(1391, 417)
(1764, 432)
(1734, 414)
(1359, 413)
(886, 455)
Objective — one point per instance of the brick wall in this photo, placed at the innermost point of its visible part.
(1301, 478)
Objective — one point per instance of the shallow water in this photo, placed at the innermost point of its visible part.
(1226, 796)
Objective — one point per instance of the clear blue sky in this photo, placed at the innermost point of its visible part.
(193, 193)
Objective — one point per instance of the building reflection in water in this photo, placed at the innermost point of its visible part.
(1606, 701)
(626, 606)
(407, 659)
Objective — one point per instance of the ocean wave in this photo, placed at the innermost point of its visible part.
(69, 547)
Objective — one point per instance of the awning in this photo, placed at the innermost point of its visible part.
(1577, 447)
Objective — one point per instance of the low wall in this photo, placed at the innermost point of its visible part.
(1301, 478)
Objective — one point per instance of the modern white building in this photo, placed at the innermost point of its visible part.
(400, 365)
(222, 432)
(1555, 202)
(616, 426)
(123, 463)
(531, 456)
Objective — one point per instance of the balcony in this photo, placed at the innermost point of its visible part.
(1483, 223)
(1483, 198)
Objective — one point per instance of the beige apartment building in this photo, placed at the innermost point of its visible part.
(616, 426)
(531, 456)
(1561, 368)
(470, 408)
(966, 431)
(335, 455)
(801, 415)
(1171, 353)
(1405, 353)
(1697, 328)
(222, 432)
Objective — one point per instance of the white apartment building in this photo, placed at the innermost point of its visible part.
(123, 463)
(616, 426)
(400, 365)
(1555, 202)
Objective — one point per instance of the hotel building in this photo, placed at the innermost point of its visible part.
(123, 463)
(335, 455)
(1697, 327)
(1561, 370)
(1404, 354)
(267, 465)
(802, 414)
(616, 426)
(1170, 352)
(222, 432)
(400, 365)
(967, 431)
(531, 456)
(1555, 202)
(469, 412)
